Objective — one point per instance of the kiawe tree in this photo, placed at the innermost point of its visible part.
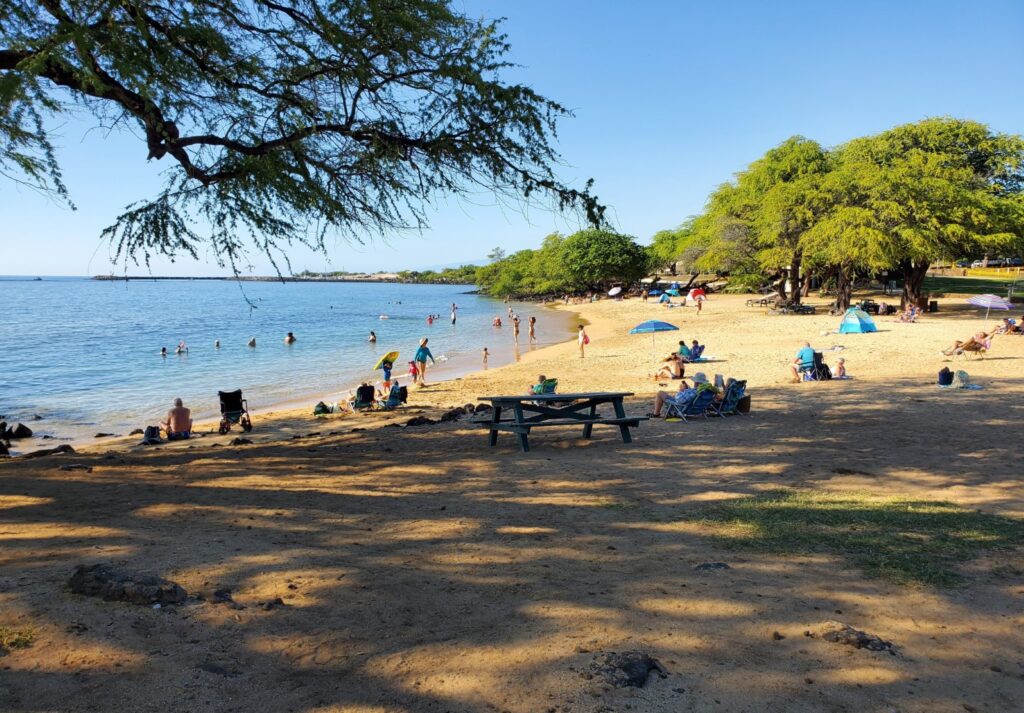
(935, 188)
(282, 121)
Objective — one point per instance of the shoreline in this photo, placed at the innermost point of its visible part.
(283, 413)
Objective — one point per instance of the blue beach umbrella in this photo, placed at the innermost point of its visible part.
(650, 327)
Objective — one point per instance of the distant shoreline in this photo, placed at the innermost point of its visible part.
(383, 278)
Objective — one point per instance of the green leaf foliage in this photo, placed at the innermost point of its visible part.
(281, 122)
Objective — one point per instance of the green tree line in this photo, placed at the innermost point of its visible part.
(895, 201)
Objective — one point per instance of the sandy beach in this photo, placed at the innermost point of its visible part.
(419, 570)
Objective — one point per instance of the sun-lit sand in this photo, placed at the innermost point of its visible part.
(423, 571)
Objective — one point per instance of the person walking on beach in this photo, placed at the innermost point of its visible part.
(486, 354)
(422, 354)
(533, 328)
(583, 340)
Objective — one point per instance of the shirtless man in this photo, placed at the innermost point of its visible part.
(179, 422)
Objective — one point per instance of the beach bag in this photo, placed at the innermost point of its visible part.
(151, 435)
(320, 409)
(961, 380)
(586, 339)
(743, 405)
(403, 393)
(945, 376)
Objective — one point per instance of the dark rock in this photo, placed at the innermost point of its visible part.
(222, 596)
(711, 566)
(628, 669)
(240, 442)
(840, 633)
(484, 407)
(136, 432)
(46, 437)
(101, 580)
(420, 421)
(37, 417)
(274, 604)
(76, 466)
(469, 409)
(453, 415)
(777, 636)
(216, 669)
(104, 435)
(50, 451)
(20, 431)
(4, 450)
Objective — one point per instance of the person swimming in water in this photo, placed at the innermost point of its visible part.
(290, 339)
(182, 348)
(372, 339)
(216, 344)
(252, 341)
(163, 351)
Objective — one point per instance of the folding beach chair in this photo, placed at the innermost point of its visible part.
(233, 409)
(698, 406)
(980, 350)
(366, 398)
(727, 406)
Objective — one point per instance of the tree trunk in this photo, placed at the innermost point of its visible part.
(795, 284)
(806, 291)
(913, 279)
(780, 287)
(844, 288)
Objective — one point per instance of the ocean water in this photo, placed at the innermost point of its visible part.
(84, 354)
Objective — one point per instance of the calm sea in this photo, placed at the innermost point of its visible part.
(84, 354)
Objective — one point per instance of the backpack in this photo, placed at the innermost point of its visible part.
(403, 393)
(320, 409)
(945, 376)
(151, 436)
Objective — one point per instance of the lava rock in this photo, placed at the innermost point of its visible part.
(76, 466)
(20, 431)
(420, 421)
(712, 567)
(104, 435)
(484, 407)
(49, 452)
(840, 633)
(101, 580)
(4, 450)
(452, 415)
(627, 669)
(240, 442)
(137, 432)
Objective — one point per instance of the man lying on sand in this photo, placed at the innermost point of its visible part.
(179, 422)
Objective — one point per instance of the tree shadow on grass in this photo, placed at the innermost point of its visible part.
(905, 541)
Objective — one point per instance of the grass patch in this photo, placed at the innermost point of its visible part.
(12, 639)
(995, 285)
(904, 541)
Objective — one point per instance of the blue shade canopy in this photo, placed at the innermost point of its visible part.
(653, 325)
(856, 321)
(674, 292)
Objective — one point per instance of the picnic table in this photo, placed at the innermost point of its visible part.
(522, 413)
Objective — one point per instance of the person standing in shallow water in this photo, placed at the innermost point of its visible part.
(422, 354)
(533, 328)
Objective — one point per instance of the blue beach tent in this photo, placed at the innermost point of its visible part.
(856, 321)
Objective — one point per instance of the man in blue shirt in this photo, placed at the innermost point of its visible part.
(804, 361)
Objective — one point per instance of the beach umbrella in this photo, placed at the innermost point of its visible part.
(614, 291)
(652, 326)
(990, 302)
(672, 291)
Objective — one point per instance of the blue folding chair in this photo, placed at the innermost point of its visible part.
(697, 406)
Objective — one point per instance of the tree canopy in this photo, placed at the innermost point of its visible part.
(897, 200)
(283, 121)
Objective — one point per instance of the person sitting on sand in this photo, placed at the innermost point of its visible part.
(538, 388)
(803, 361)
(684, 351)
(290, 339)
(179, 422)
(840, 369)
(675, 368)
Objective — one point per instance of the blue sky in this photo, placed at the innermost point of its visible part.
(670, 99)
